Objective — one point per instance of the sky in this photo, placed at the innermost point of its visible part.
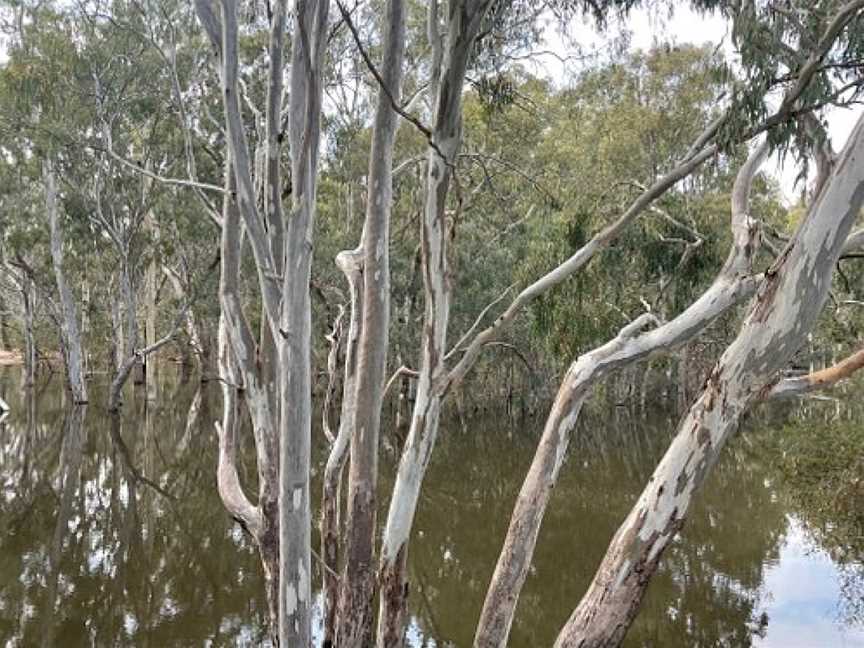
(686, 26)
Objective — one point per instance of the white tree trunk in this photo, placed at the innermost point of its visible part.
(355, 619)
(71, 338)
(350, 262)
(786, 307)
(463, 23)
(295, 334)
(733, 284)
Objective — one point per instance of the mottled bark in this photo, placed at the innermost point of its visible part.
(354, 624)
(69, 330)
(463, 23)
(733, 284)
(350, 262)
(238, 368)
(295, 335)
(787, 305)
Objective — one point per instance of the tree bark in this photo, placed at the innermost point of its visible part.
(28, 296)
(69, 331)
(150, 289)
(350, 262)
(463, 23)
(354, 626)
(295, 354)
(787, 305)
(130, 318)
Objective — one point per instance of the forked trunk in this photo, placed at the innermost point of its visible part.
(732, 285)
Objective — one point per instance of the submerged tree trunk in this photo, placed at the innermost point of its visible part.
(463, 23)
(71, 338)
(28, 295)
(733, 284)
(239, 376)
(295, 353)
(786, 308)
(354, 626)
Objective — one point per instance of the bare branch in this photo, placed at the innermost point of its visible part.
(822, 379)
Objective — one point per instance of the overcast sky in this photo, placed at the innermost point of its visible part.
(686, 26)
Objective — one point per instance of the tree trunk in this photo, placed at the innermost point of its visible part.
(354, 626)
(350, 262)
(295, 354)
(731, 286)
(786, 308)
(72, 340)
(463, 23)
(150, 288)
(27, 297)
(4, 323)
(130, 318)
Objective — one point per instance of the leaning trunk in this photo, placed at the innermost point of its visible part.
(786, 308)
(732, 285)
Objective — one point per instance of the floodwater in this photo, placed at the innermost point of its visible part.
(115, 536)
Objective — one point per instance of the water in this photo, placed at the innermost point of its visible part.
(116, 537)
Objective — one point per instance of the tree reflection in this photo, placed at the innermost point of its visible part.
(98, 554)
(114, 534)
(707, 593)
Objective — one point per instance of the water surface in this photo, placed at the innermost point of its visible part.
(114, 535)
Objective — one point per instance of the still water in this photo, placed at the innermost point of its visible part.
(115, 536)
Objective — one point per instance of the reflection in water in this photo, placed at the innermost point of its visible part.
(114, 535)
(131, 566)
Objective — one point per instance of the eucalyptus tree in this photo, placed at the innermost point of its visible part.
(607, 611)
(282, 251)
(366, 365)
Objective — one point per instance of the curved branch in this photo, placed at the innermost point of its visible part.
(629, 346)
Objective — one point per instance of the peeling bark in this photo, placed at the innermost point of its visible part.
(463, 23)
(787, 305)
(350, 262)
(355, 618)
(277, 386)
(733, 284)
